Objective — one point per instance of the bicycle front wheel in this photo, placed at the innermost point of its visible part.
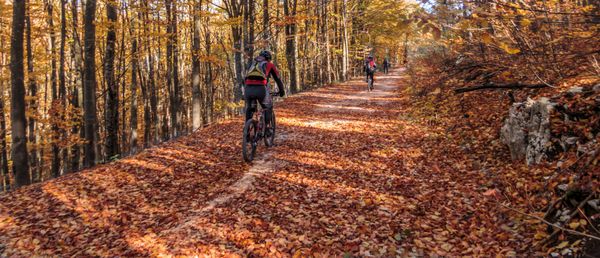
(248, 140)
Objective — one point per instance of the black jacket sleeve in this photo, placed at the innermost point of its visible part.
(275, 75)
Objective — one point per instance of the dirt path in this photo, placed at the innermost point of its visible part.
(351, 173)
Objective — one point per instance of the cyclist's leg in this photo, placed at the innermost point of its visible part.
(250, 99)
(266, 102)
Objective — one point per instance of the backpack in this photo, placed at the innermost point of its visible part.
(256, 72)
(370, 66)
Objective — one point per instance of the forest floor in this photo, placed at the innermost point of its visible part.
(352, 172)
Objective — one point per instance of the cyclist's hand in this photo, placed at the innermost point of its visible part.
(281, 93)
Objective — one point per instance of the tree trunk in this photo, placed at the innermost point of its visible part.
(78, 79)
(17, 104)
(266, 28)
(4, 179)
(33, 104)
(54, 112)
(62, 90)
(133, 137)
(152, 81)
(345, 48)
(196, 92)
(237, 57)
(289, 9)
(112, 97)
(326, 41)
(89, 94)
(208, 77)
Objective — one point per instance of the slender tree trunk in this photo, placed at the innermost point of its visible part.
(208, 77)
(176, 87)
(112, 97)
(326, 41)
(33, 108)
(237, 57)
(3, 155)
(89, 94)
(78, 79)
(133, 137)
(266, 22)
(55, 110)
(196, 91)
(345, 48)
(17, 104)
(152, 81)
(289, 9)
(62, 90)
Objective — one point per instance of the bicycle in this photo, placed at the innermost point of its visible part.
(370, 84)
(255, 130)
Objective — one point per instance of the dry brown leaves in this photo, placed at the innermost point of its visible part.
(369, 175)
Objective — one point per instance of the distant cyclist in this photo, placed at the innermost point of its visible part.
(370, 67)
(386, 66)
(257, 85)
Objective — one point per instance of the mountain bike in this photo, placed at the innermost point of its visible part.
(255, 130)
(370, 84)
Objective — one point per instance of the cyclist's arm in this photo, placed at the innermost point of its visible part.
(275, 74)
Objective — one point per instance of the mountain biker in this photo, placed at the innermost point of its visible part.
(257, 85)
(370, 67)
(386, 65)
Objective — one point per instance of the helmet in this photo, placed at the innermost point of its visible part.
(266, 54)
(370, 57)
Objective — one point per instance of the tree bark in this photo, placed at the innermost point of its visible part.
(55, 109)
(266, 22)
(345, 48)
(33, 107)
(89, 94)
(289, 9)
(78, 82)
(196, 92)
(112, 97)
(17, 104)
(4, 179)
(133, 137)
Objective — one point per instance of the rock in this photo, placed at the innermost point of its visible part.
(563, 187)
(513, 131)
(575, 90)
(594, 204)
(526, 131)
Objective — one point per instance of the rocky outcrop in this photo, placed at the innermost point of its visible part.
(541, 129)
(526, 131)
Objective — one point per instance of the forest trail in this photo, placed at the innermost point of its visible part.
(352, 172)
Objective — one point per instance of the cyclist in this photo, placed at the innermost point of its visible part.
(386, 65)
(370, 67)
(257, 85)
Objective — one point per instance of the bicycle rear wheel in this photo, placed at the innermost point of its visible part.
(248, 140)
(270, 139)
(370, 85)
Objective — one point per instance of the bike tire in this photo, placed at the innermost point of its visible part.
(248, 140)
(270, 141)
(370, 85)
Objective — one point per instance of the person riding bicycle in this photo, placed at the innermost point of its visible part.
(370, 68)
(386, 66)
(257, 85)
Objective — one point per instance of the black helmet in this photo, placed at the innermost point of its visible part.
(266, 54)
